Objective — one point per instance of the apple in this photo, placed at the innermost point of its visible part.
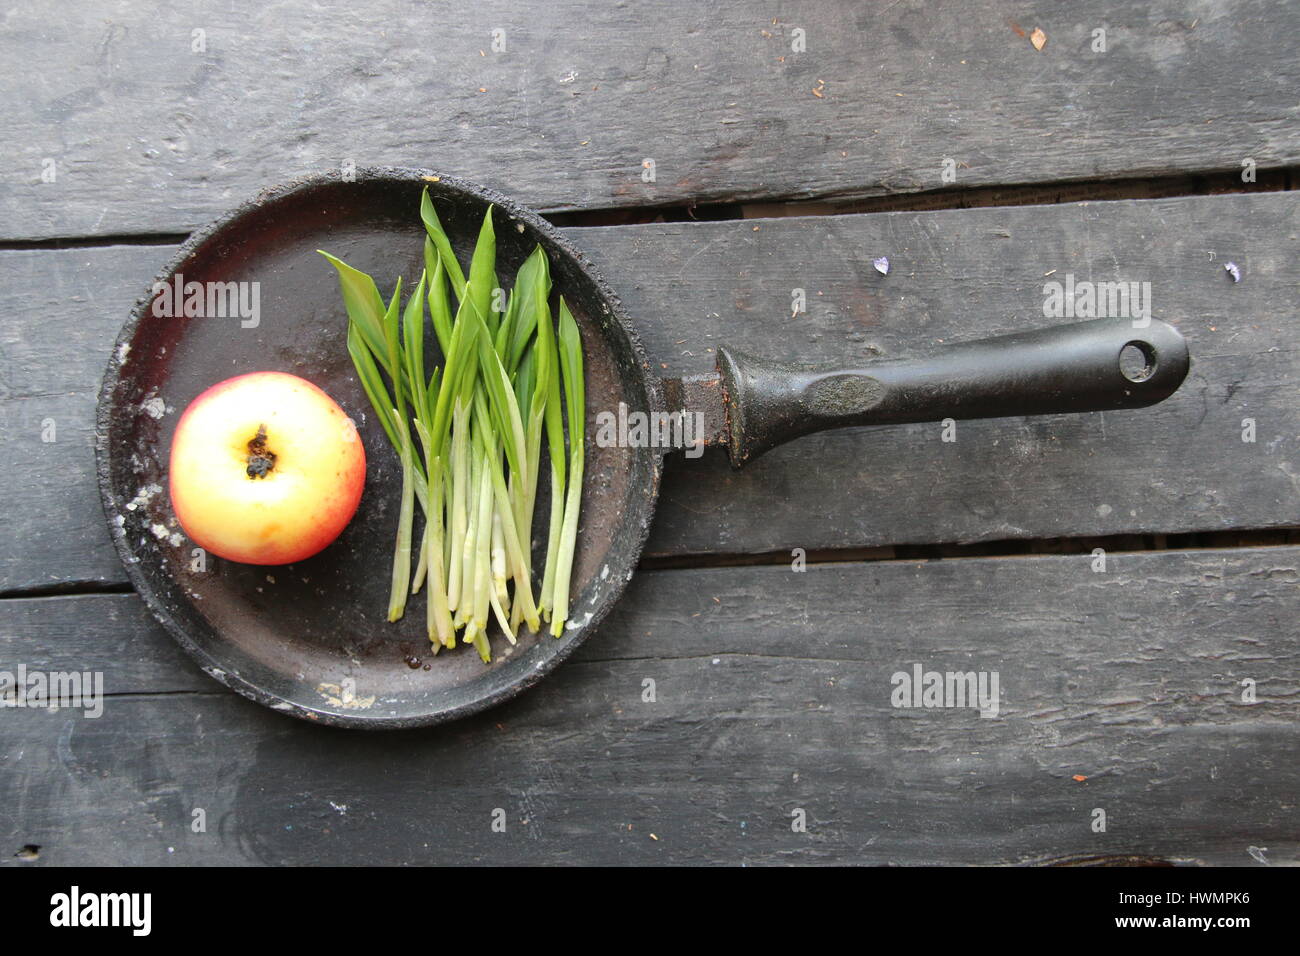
(265, 469)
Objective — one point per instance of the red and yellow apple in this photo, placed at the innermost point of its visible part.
(265, 469)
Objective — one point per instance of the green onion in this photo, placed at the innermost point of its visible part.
(480, 418)
(402, 549)
(575, 404)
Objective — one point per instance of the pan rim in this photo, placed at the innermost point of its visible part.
(104, 454)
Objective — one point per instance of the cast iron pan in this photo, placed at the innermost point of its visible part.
(311, 639)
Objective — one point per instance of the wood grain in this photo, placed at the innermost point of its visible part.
(153, 127)
(63, 311)
(772, 693)
(1179, 467)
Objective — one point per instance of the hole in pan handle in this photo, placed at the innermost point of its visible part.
(1092, 366)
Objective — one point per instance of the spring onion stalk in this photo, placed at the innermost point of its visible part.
(554, 423)
(468, 549)
(411, 358)
(438, 620)
(507, 386)
(523, 587)
(503, 620)
(457, 509)
(570, 348)
(533, 382)
(498, 556)
(402, 549)
(547, 601)
(422, 561)
(477, 630)
(401, 579)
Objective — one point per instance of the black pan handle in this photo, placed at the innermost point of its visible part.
(1091, 366)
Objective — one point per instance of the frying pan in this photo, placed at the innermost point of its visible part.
(311, 639)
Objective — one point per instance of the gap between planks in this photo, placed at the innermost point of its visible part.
(1009, 548)
(1280, 179)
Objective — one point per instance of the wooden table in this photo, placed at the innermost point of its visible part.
(934, 133)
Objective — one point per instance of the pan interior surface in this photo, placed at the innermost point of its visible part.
(311, 638)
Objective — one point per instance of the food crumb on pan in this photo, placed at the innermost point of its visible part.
(339, 696)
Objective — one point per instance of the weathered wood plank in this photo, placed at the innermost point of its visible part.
(772, 692)
(1179, 467)
(63, 310)
(157, 118)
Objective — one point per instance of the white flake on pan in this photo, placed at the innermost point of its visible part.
(143, 497)
(154, 407)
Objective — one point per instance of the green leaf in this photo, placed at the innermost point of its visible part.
(372, 382)
(413, 353)
(364, 305)
(482, 271)
(439, 308)
(534, 280)
(526, 380)
(433, 227)
(393, 350)
(501, 342)
(501, 396)
(575, 398)
(457, 375)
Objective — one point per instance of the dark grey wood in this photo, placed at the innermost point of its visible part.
(957, 275)
(772, 693)
(960, 275)
(1178, 467)
(62, 310)
(148, 135)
